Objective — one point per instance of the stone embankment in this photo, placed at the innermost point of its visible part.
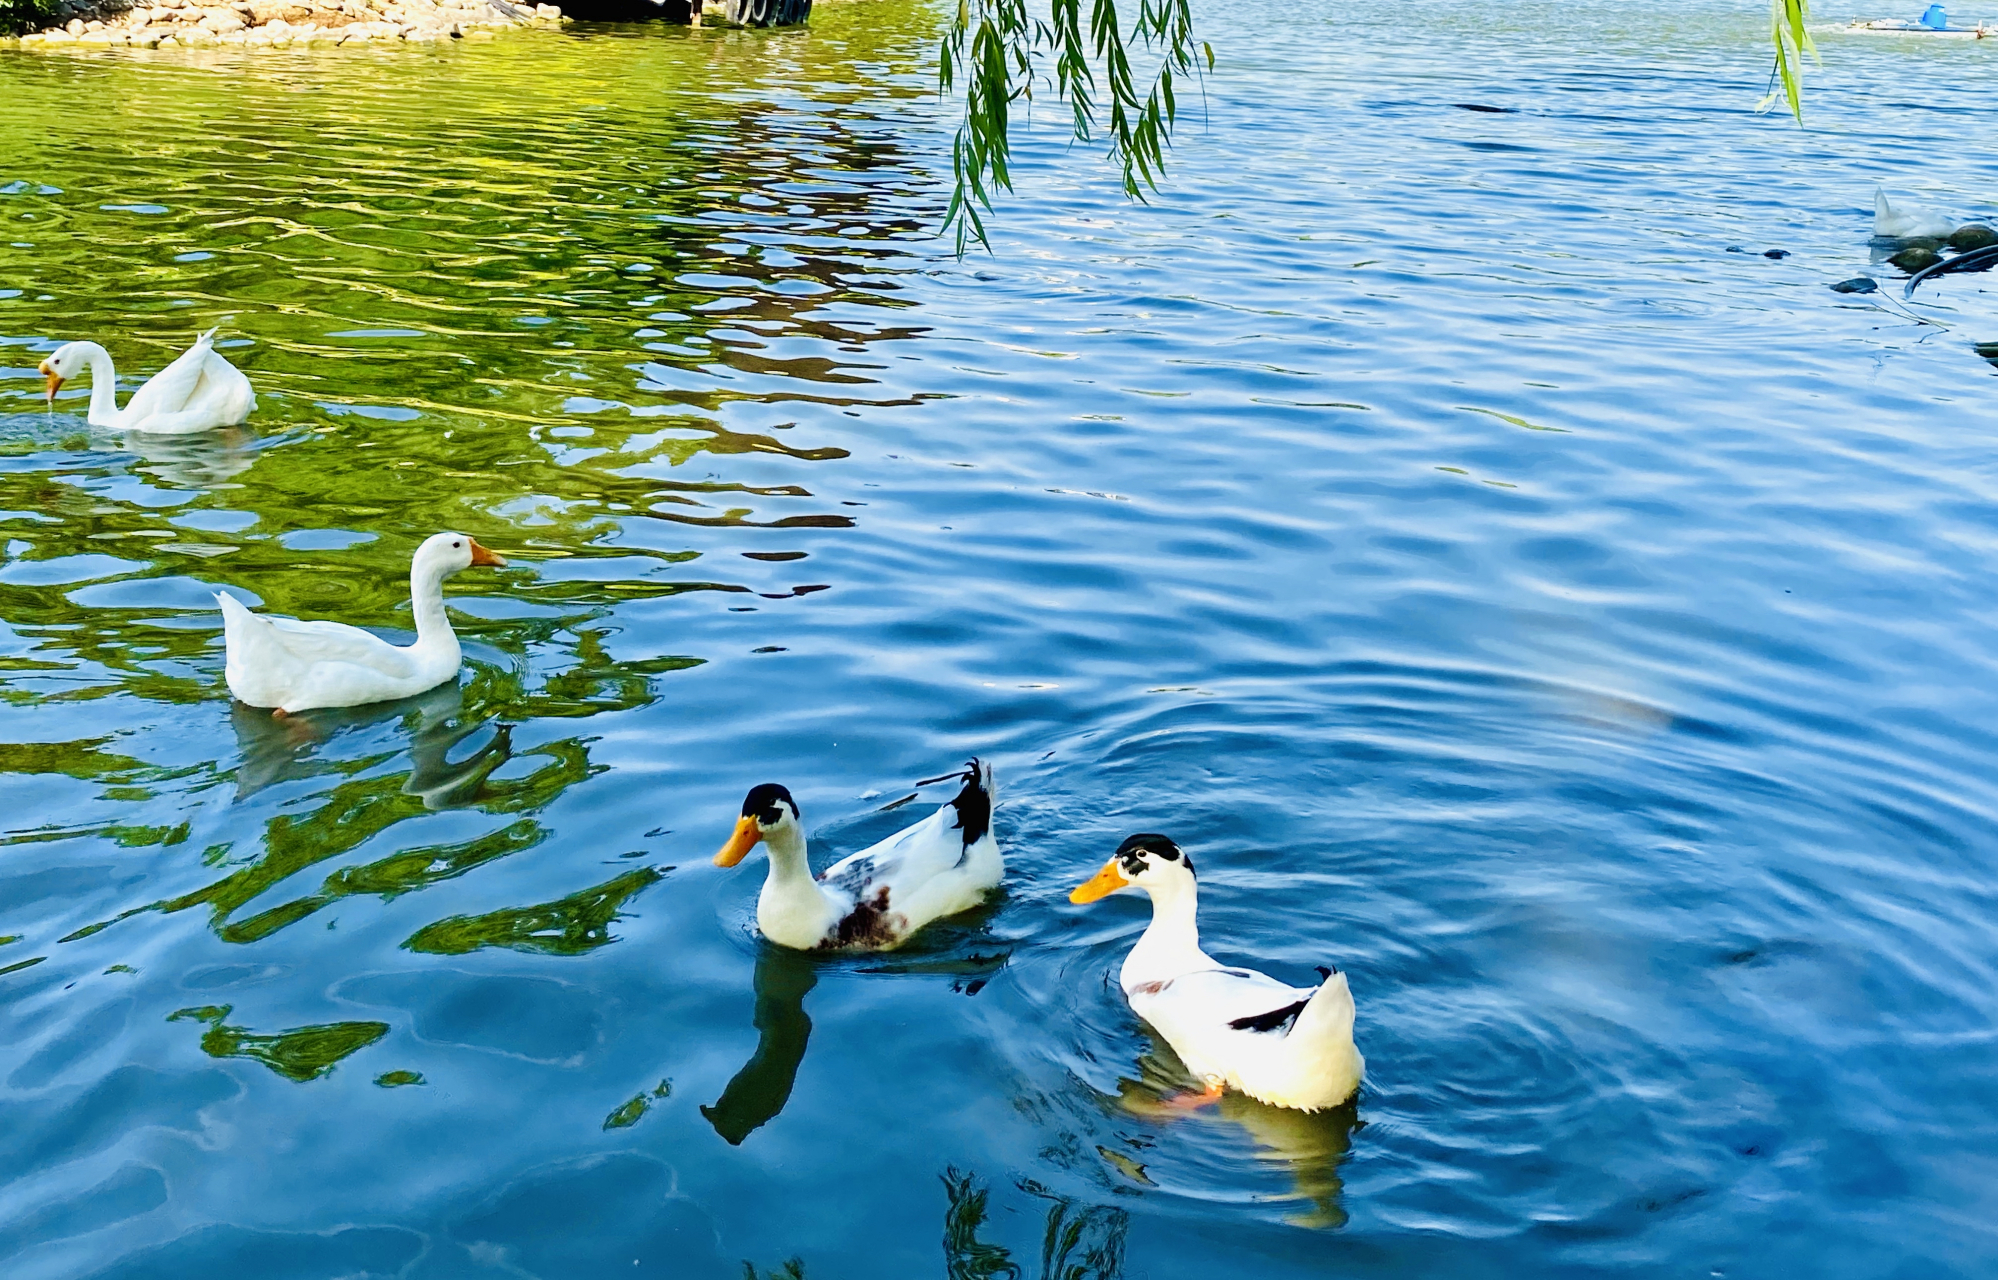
(169, 24)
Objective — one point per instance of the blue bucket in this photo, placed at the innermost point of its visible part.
(1934, 18)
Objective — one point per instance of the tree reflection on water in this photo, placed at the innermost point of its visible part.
(1079, 1241)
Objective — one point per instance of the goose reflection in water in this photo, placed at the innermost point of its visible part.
(197, 461)
(758, 1092)
(1309, 1145)
(276, 751)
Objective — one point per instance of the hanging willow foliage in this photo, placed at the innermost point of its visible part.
(996, 48)
(1792, 40)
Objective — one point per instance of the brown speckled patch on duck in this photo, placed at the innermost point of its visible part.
(869, 924)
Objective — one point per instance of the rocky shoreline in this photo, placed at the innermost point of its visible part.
(170, 24)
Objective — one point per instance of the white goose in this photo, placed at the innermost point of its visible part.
(1287, 1046)
(1908, 221)
(295, 666)
(875, 899)
(197, 391)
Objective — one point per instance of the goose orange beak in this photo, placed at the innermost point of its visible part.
(55, 379)
(1101, 885)
(747, 836)
(482, 556)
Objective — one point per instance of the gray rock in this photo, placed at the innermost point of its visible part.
(1973, 235)
(1858, 284)
(1913, 260)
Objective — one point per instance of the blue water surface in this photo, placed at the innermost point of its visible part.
(1510, 584)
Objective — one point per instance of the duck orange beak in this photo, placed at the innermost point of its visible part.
(747, 836)
(1101, 885)
(482, 556)
(55, 379)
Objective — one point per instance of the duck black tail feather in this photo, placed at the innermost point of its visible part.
(973, 804)
(1274, 1020)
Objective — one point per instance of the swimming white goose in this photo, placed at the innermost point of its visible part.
(1908, 221)
(295, 666)
(1288, 1046)
(875, 899)
(197, 391)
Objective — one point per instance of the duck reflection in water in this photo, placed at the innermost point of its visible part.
(758, 1092)
(1309, 1145)
(276, 751)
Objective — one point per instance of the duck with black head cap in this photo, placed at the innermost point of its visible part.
(1232, 1027)
(876, 899)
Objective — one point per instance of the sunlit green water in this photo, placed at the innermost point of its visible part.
(1575, 631)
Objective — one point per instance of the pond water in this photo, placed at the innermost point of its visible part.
(1577, 631)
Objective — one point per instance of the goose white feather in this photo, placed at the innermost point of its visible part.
(1908, 221)
(290, 665)
(1232, 1027)
(197, 391)
(874, 900)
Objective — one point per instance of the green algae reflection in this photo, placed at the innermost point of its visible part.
(566, 927)
(359, 809)
(301, 1054)
(397, 874)
(630, 1113)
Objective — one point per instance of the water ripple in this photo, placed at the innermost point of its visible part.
(1572, 629)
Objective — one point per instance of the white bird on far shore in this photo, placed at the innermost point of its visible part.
(1908, 221)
